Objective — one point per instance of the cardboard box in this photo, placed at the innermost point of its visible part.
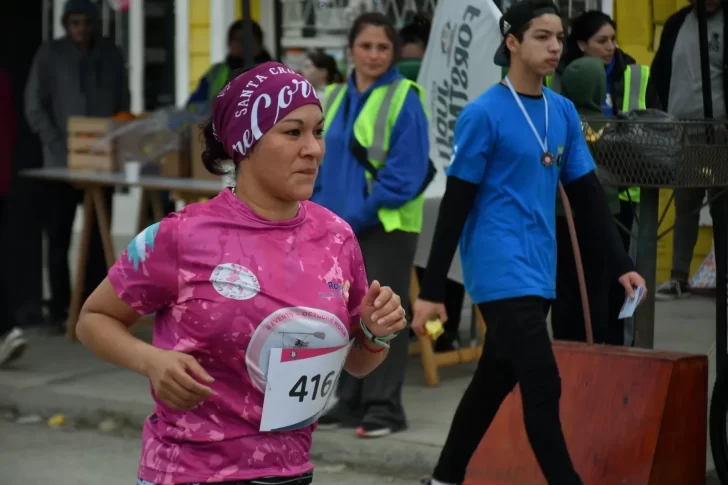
(197, 146)
(175, 163)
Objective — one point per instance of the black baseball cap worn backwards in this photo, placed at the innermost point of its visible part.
(515, 19)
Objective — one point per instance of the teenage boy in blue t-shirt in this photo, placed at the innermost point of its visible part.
(512, 146)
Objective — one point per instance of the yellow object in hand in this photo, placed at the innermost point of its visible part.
(57, 421)
(434, 329)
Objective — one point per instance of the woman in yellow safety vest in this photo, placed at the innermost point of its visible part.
(593, 34)
(372, 176)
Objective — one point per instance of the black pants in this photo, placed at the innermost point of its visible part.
(63, 200)
(377, 398)
(517, 350)
(567, 317)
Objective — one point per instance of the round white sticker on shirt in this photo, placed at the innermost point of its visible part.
(234, 281)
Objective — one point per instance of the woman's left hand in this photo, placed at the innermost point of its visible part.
(382, 312)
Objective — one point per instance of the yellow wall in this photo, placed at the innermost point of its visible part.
(200, 34)
(639, 25)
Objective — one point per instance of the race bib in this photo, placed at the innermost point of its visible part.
(299, 384)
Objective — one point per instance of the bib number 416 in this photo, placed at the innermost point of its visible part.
(320, 389)
(299, 384)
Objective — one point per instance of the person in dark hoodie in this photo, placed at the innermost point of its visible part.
(593, 34)
(217, 76)
(584, 83)
(80, 74)
(372, 176)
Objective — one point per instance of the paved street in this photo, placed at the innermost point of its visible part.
(33, 454)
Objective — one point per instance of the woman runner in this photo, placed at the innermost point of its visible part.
(257, 294)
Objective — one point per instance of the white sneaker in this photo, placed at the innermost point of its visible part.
(12, 346)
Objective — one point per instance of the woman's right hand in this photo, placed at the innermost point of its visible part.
(173, 378)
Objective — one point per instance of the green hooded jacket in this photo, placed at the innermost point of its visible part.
(584, 83)
(410, 68)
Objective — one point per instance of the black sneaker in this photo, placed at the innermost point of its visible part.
(672, 290)
(329, 422)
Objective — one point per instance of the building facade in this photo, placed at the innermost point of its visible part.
(169, 44)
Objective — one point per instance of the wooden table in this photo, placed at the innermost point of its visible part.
(93, 185)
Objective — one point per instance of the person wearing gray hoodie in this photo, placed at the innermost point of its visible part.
(80, 74)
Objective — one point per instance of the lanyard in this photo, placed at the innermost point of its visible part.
(545, 142)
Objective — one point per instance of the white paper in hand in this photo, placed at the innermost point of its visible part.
(630, 304)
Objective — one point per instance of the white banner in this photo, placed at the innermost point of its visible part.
(457, 67)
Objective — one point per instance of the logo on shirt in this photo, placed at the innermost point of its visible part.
(234, 281)
(336, 290)
(608, 100)
(136, 252)
(292, 328)
(454, 154)
(559, 156)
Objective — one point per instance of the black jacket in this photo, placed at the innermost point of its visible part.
(661, 70)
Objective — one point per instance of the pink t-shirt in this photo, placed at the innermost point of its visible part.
(227, 286)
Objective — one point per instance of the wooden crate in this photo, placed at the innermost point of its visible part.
(87, 149)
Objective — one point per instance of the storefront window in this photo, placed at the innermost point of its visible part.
(311, 24)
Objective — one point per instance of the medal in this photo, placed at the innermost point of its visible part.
(547, 159)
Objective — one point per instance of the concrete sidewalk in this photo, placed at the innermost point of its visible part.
(55, 376)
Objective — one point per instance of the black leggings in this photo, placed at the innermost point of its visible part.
(517, 350)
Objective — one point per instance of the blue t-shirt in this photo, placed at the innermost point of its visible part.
(508, 245)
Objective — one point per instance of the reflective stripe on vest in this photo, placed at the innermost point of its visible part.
(331, 93)
(635, 87)
(635, 97)
(372, 130)
(378, 151)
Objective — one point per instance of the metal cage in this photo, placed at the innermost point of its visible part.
(657, 153)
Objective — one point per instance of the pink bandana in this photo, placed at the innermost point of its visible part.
(252, 103)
